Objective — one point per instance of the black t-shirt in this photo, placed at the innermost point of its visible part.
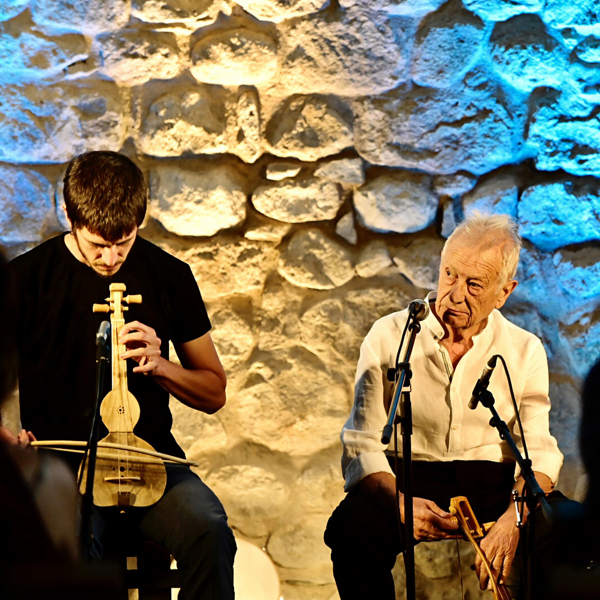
(56, 336)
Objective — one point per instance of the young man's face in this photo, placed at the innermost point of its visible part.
(103, 256)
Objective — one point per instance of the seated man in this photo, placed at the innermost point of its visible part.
(57, 284)
(455, 450)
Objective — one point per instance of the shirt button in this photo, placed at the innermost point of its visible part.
(454, 427)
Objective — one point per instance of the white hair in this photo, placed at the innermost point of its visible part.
(485, 231)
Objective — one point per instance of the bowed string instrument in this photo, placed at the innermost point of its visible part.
(129, 472)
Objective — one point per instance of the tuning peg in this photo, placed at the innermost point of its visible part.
(103, 308)
(133, 299)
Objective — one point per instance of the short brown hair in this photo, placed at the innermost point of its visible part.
(105, 192)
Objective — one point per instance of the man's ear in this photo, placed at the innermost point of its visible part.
(507, 289)
(64, 207)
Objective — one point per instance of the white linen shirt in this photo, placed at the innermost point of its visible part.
(444, 428)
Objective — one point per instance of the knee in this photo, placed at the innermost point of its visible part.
(211, 536)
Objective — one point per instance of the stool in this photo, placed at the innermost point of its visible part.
(149, 572)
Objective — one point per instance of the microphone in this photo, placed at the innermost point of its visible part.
(483, 382)
(102, 334)
(419, 309)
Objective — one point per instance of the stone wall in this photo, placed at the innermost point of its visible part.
(307, 158)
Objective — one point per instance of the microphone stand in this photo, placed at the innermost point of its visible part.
(102, 359)
(402, 374)
(537, 495)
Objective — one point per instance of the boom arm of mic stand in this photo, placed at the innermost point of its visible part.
(487, 399)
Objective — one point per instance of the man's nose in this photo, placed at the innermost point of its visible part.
(457, 293)
(110, 256)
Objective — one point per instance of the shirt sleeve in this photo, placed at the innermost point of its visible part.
(534, 410)
(363, 453)
(189, 317)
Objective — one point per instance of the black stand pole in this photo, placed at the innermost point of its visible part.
(402, 376)
(102, 359)
(536, 496)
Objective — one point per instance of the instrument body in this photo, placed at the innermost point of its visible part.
(123, 477)
(461, 509)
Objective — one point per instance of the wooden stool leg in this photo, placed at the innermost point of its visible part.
(153, 577)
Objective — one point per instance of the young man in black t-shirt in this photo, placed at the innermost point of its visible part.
(57, 283)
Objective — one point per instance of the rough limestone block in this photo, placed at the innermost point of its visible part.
(298, 201)
(346, 229)
(578, 270)
(525, 55)
(136, 55)
(314, 261)
(409, 8)
(294, 404)
(359, 52)
(300, 545)
(347, 171)
(11, 8)
(91, 16)
(26, 207)
(320, 488)
(501, 10)
(332, 325)
(233, 337)
(373, 259)
(282, 170)
(553, 215)
(263, 499)
(464, 128)
(31, 53)
(199, 202)
(498, 195)
(236, 56)
(211, 264)
(309, 128)
(583, 341)
(454, 185)
(588, 50)
(280, 10)
(191, 13)
(55, 123)
(419, 262)
(583, 16)
(247, 127)
(198, 433)
(268, 233)
(564, 142)
(200, 119)
(450, 217)
(400, 202)
(446, 46)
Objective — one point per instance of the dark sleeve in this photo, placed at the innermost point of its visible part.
(190, 319)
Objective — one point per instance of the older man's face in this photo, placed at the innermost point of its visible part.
(469, 287)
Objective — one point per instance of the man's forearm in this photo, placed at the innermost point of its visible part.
(200, 389)
(381, 486)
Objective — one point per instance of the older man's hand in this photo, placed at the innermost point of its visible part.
(499, 546)
(430, 521)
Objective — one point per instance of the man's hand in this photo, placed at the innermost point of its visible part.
(499, 547)
(430, 521)
(23, 439)
(143, 346)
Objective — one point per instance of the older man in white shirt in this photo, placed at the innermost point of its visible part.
(455, 450)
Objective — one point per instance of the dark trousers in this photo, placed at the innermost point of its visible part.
(191, 523)
(363, 534)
